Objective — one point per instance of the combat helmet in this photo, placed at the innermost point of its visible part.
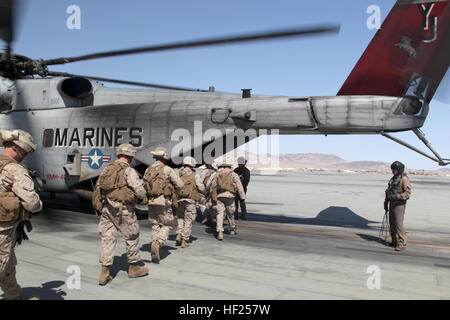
(23, 140)
(241, 160)
(397, 165)
(126, 149)
(225, 163)
(189, 161)
(160, 153)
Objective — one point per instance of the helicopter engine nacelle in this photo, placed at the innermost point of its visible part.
(76, 90)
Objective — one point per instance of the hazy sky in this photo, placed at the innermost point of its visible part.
(295, 67)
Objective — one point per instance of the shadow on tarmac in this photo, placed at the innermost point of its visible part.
(332, 216)
(48, 291)
(164, 252)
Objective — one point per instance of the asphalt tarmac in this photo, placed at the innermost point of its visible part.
(307, 236)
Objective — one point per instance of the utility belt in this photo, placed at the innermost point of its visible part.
(223, 191)
(123, 195)
(395, 203)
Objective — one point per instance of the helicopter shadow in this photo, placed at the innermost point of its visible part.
(332, 216)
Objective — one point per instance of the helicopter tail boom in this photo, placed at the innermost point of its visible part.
(409, 55)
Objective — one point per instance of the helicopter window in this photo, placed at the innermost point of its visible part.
(220, 115)
(47, 140)
(418, 89)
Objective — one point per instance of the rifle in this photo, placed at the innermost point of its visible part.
(21, 235)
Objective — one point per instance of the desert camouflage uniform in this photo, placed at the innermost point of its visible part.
(186, 211)
(205, 202)
(225, 200)
(400, 186)
(14, 178)
(113, 219)
(160, 209)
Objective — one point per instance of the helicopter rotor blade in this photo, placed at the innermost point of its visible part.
(134, 83)
(7, 22)
(304, 31)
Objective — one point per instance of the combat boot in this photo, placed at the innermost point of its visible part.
(184, 244)
(135, 271)
(220, 236)
(178, 239)
(232, 232)
(400, 247)
(155, 251)
(104, 276)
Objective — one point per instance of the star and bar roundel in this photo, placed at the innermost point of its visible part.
(95, 158)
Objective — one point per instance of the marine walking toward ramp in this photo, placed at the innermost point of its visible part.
(205, 203)
(161, 183)
(223, 186)
(118, 189)
(17, 200)
(397, 193)
(187, 197)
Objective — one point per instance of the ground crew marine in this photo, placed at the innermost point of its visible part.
(397, 193)
(191, 192)
(244, 174)
(161, 183)
(121, 189)
(224, 185)
(17, 199)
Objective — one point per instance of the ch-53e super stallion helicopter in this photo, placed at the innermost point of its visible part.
(77, 121)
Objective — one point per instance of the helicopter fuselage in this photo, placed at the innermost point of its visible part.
(77, 132)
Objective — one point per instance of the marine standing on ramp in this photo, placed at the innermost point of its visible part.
(121, 188)
(187, 197)
(161, 182)
(224, 184)
(397, 193)
(17, 199)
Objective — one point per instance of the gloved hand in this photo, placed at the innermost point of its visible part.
(144, 201)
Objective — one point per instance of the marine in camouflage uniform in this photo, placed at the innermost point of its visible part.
(186, 211)
(119, 216)
(225, 198)
(397, 193)
(205, 203)
(160, 207)
(16, 186)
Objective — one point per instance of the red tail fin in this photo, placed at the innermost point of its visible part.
(409, 55)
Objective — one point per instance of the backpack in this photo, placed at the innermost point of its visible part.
(224, 182)
(207, 176)
(97, 198)
(155, 182)
(112, 185)
(10, 205)
(189, 190)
